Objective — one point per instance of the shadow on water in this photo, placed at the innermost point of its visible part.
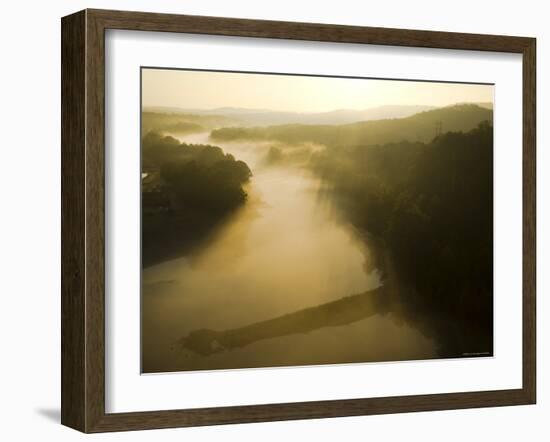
(332, 314)
(455, 339)
(167, 236)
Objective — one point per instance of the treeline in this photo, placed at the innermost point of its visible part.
(195, 175)
(419, 127)
(181, 123)
(187, 190)
(430, 206)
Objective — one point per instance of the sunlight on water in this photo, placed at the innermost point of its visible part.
(283, 252)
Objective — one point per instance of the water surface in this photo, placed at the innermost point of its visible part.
(283, 282)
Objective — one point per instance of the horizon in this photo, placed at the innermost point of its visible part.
(201, 91)
(250, 109)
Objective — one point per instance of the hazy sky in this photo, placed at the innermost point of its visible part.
(209, 90)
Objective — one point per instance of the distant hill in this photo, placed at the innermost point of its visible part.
(264, 117)
(422, 126)
(485, 104)
(168, 121)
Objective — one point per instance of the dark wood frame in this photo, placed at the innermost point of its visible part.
(83, 217)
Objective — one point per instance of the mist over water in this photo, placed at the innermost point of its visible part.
(283, 252)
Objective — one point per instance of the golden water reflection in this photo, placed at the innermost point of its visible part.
(283, 282)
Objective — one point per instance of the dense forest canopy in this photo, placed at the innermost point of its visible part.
(429, 207)
(186, 190)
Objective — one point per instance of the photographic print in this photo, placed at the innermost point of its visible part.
(294, 220)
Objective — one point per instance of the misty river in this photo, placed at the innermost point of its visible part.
(262, 291)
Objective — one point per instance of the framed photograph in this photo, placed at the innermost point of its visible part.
(271, 220)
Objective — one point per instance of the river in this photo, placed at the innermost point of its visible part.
(283, 252)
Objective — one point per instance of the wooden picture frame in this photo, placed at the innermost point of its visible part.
(83, 220)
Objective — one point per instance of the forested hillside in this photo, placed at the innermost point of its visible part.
(187, 190)
(419, 127)
(429, 207)
(181, 123)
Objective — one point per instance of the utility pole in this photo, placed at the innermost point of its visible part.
(438, 128)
